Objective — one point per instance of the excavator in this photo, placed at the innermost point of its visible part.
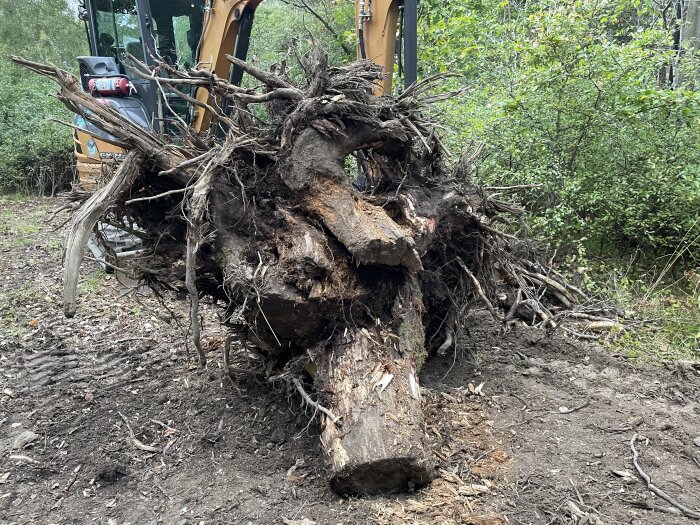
(199, 34)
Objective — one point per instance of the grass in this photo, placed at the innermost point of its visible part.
(92, 283)
(673, 335)
(670, 316)
(15, 306)
(19, 230)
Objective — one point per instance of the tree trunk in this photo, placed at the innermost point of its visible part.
(685, 72)
(369, 376)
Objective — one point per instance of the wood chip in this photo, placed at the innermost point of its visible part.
(473, 489)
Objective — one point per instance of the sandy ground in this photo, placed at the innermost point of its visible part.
(103, 419)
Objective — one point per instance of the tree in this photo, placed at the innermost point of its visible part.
(567, 98)
(32, 149)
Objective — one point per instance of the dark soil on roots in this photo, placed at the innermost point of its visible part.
(523, 425)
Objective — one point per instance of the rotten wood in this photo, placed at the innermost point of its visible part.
(370, 376)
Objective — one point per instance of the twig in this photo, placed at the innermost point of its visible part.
(479, 289)
(72, 480)
(138, 444)
(578, 494)
(579, 407)
(516, 187)
(154, 197)
(71, 206)
(313, 403)
(648, 506)
(112, 266)
(688, 513)
(164, 425)
(580, 335)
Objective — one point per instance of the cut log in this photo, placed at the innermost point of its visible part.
(369, 380)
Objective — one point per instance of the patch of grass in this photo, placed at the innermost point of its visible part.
(14, 303)
(92, 283)
(19, 230)
(12, 198)
(671, 319)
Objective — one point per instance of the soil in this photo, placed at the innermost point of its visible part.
(523, 424)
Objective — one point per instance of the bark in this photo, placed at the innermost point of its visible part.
(370, 377)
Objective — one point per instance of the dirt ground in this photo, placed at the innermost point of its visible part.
(104, 420)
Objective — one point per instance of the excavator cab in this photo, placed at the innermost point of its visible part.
(119, 33)
(197, 34)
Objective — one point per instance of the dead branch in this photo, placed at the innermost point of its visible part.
(85, 220)
(687, 512)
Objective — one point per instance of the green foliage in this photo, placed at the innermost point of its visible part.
(32, 150)
(669, 318)
(281, 26)
(568, 98)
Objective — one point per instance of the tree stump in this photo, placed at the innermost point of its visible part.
(359, 278)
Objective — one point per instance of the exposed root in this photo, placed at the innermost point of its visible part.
(85, 220)
(687, 512)
(307, 399)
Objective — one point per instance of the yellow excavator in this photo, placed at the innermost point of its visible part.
(199, 34)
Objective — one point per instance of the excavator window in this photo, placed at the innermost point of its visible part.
(117, 27)
(177, 28)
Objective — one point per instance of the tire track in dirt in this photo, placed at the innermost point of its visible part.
(55, 366)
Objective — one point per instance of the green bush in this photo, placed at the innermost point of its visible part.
(30, 145)
(35, 154)
(568, 99)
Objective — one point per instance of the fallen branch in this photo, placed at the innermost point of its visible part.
(687, 512)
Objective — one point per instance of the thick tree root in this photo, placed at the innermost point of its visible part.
(85, 219)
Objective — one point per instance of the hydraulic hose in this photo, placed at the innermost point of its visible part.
(361, 30)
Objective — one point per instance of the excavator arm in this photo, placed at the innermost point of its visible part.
(228, 24)
(227, 27)
(376, 22)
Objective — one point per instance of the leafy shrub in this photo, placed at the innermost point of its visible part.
(568, 99)
(32, 149)
(35, 154)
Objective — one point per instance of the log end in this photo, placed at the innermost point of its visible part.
(70, 309)
(383, 476)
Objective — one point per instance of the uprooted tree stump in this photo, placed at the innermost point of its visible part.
(355, 278)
